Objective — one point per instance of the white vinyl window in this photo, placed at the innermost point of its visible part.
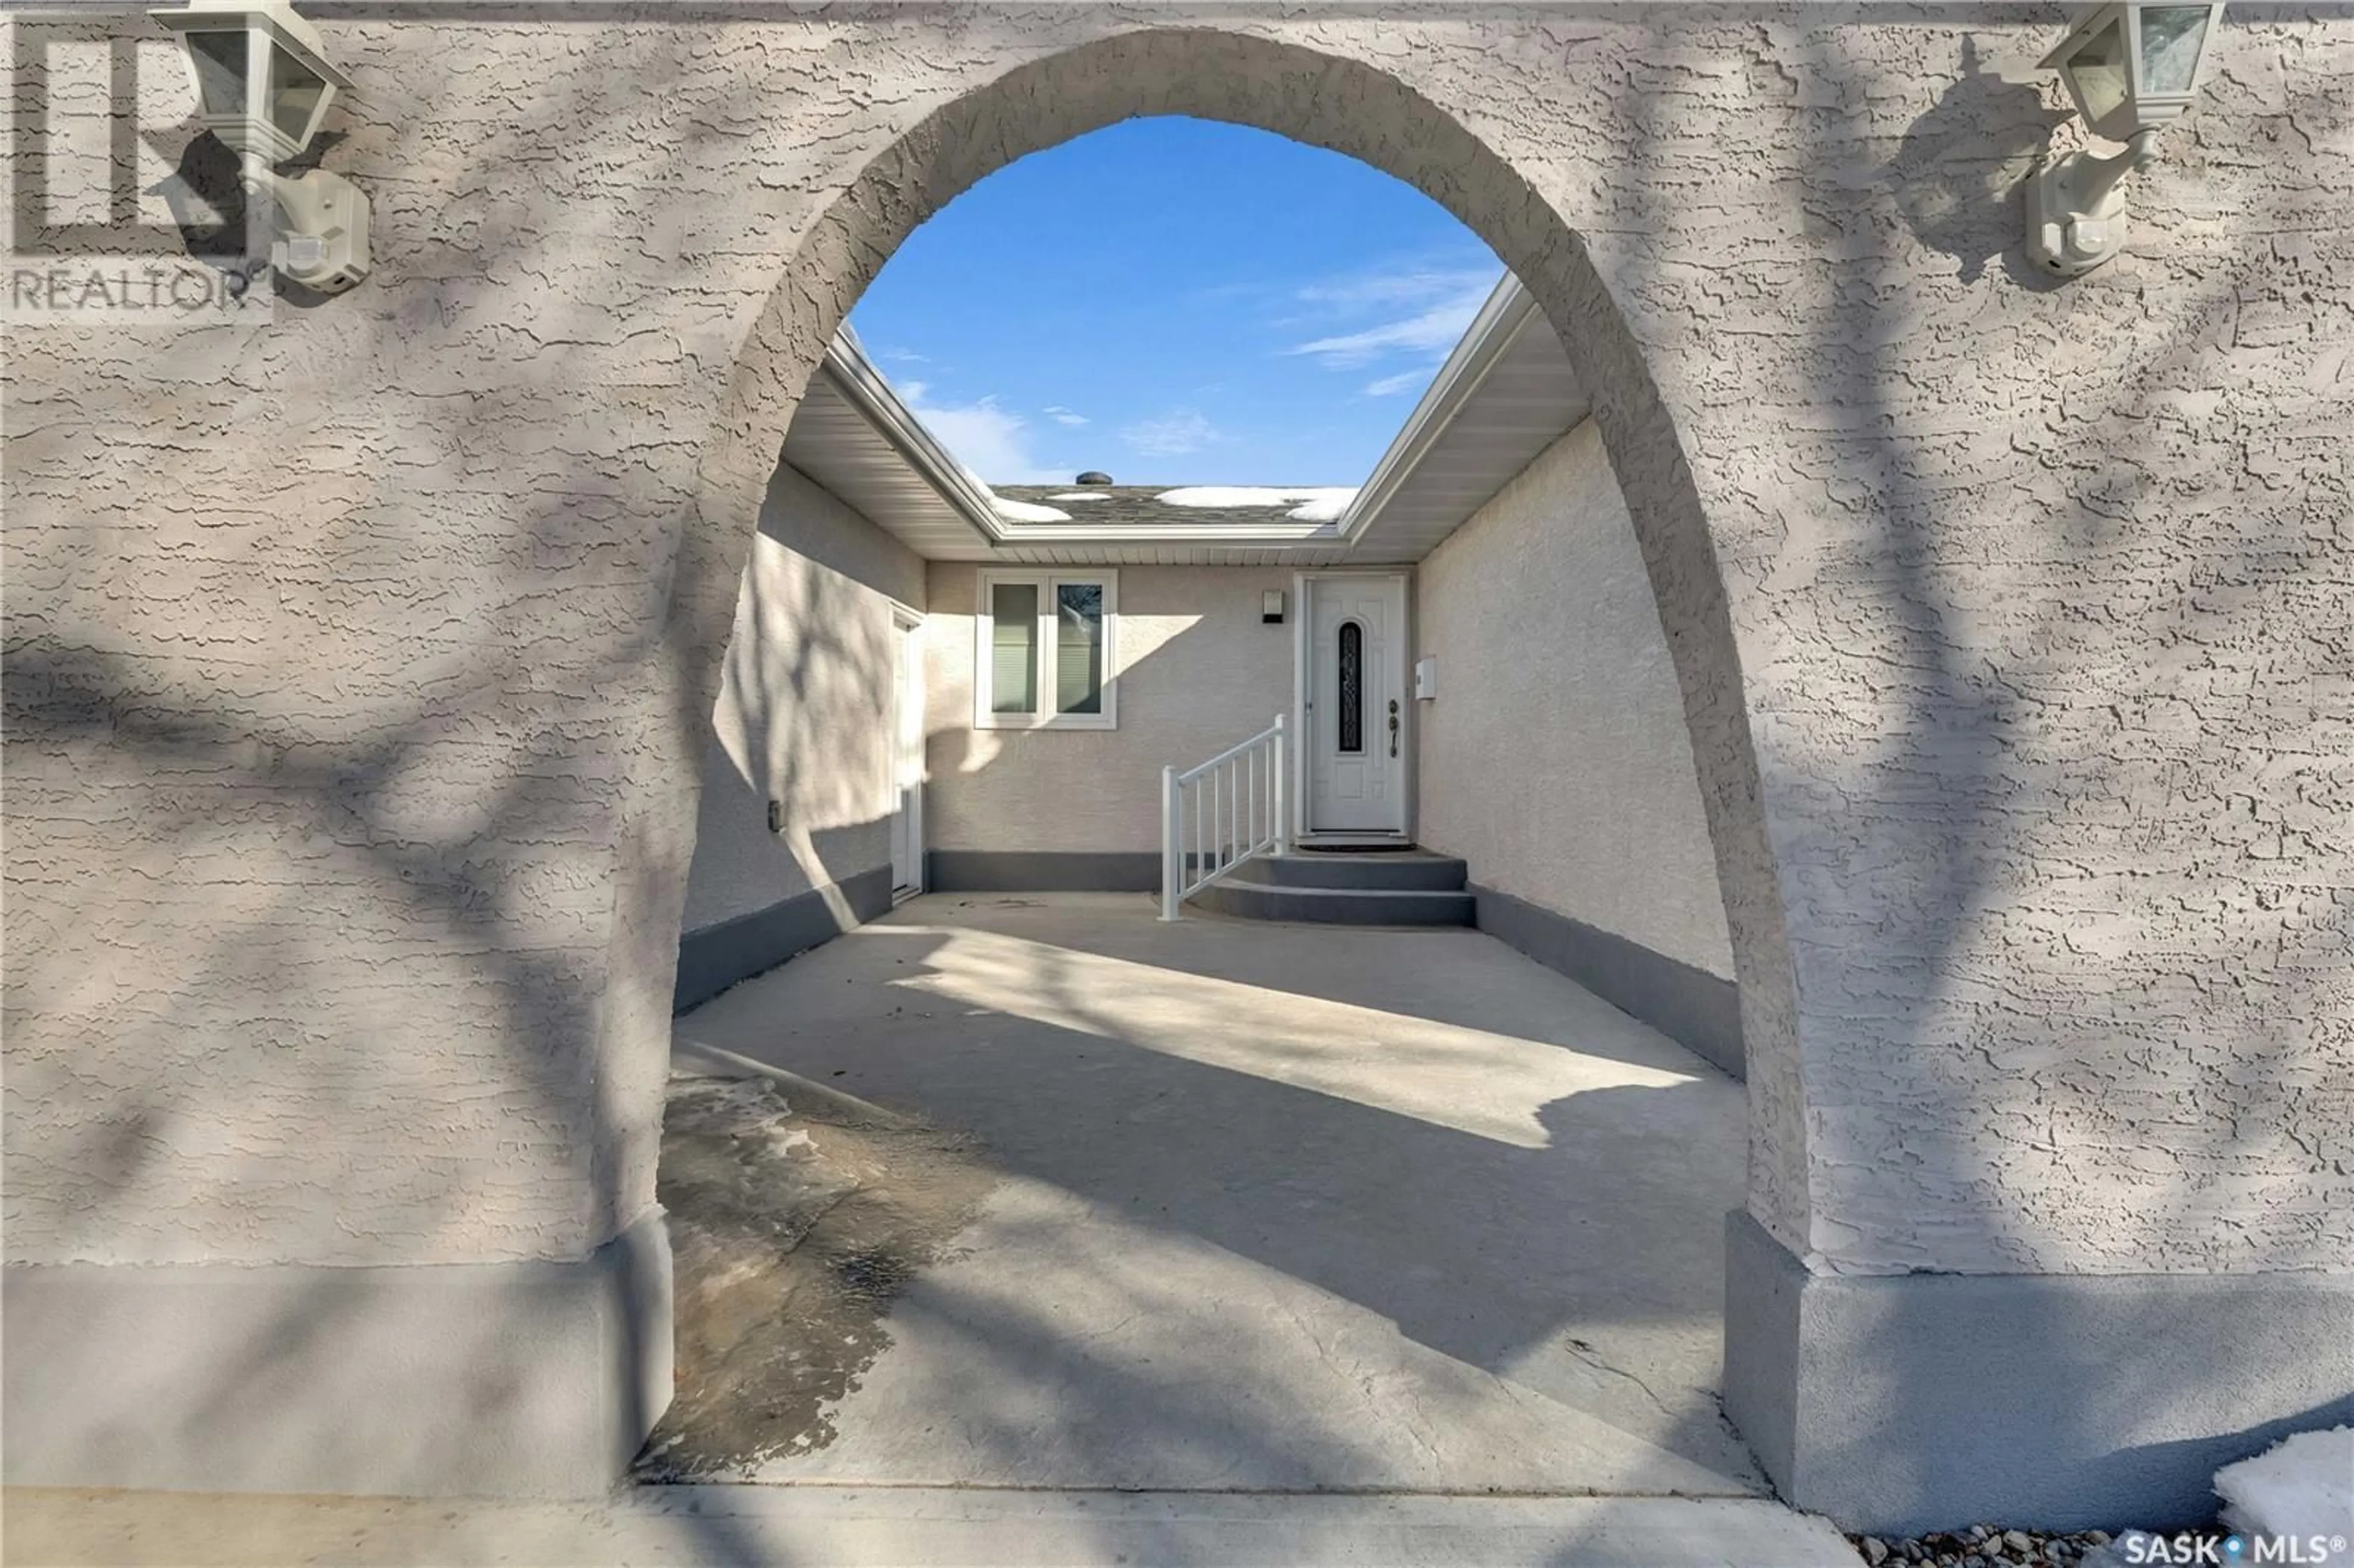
(1043, 651)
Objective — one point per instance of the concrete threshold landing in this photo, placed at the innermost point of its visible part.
(914, 1526)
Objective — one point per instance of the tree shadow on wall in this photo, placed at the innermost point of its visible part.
(2124, 609)
(1961, 168)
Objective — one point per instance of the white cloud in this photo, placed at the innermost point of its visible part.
(1062, 416)
(1174, 435)
(1404, 381)
(992, 444)
(1423, 311)
(1399, 286)
(1431, 331)
(903, 356)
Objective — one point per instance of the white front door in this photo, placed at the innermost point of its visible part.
(906, 784)
(1355, 676)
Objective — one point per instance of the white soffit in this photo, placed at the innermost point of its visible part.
(844, 443)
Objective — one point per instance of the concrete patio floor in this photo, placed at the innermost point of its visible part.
(1285, 1208)
(1299, 1245)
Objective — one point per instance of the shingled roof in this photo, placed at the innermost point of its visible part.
(1190, 506)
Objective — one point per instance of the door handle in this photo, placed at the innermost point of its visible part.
(1394, 726)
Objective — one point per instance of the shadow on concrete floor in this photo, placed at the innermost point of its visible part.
(1285, 1208)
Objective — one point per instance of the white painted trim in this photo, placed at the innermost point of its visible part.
(1048, 580)
(1301, 735)
(1402, 695)
(906, 627)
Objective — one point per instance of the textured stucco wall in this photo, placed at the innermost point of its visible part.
(1198, 670)
(358, 660)
(1555, 758)
(804, 709)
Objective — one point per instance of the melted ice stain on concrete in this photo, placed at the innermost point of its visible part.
(794, 1225)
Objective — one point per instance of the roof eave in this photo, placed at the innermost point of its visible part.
(1164, 534)
(864, 388)
(1508, 310)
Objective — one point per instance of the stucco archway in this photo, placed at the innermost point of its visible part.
(359, 659)
(1350, 107)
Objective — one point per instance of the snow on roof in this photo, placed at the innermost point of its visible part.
(1178, 507)
(1316, 503)
(1326, 507)
(1027, 512)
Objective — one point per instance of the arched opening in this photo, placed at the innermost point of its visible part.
(1354, 109)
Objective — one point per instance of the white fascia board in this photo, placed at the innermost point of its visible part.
(1160, 534)
(864, 388)
(1492, 332)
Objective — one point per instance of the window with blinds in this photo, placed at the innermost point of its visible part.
(1013, 648)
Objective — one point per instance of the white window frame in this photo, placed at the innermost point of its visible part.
(984, 632)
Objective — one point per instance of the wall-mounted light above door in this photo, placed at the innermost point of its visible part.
(263, 88)
(2132, 66)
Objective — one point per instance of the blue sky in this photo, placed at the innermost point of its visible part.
(1175, 300)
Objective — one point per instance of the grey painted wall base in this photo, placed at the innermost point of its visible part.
(1042, 871)
(534, 1378)
(716, 957)
(1898, 1404)
(1698, 1010)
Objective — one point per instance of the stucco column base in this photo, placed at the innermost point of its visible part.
(1896, 1404)
(532, 1378)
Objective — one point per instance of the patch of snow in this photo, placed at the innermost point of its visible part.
(2302, 1487)
(1081, 495)
(1326, 508)
(1319, 504)
(1026, 512)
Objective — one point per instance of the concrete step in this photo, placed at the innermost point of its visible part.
(1398, 869)
(1338, 905)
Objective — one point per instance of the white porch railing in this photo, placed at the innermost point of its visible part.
(1217, 815)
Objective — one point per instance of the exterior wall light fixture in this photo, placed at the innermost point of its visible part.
(2132, 66)
(263, 89)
